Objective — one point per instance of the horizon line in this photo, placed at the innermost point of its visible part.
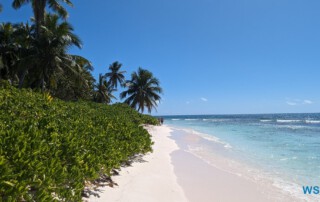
(240, 114)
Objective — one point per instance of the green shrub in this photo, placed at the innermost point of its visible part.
(49, 148)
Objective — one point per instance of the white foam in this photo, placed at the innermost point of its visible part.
(265, 120)
(228, 146)
(288, 121)
(292, 158)
(195, 149)
(191, 119)
(175, 119)
(292, 127)
(216, 120)
(293, 189)
(213, 139)
(208, 137)
(313, 121)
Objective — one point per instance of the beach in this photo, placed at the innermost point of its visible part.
(160, 101)
(153, 179)
(172, 173)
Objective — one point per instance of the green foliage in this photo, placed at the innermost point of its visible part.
(33, 61)
(49, 148)
(103, 91)
(115, 76)
(143, 91)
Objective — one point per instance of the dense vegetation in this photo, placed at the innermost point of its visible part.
(58, 131)
(49, 148)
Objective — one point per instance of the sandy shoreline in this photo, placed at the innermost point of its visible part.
(218, 177)
(152, 180)
(172, 174)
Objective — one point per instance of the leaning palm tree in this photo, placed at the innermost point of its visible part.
(39, 9)
(115, 76)
(103, 92)
(143, 91)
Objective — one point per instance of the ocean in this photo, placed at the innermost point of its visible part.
(283, 149)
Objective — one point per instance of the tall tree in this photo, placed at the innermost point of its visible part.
(103, 91)
(7, 47)
(115, 76)
(77, 82)
(50, 56)
(39, 9)
(12, 40)
(28, 61)
(143, 91)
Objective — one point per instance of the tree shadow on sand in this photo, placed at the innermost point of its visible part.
(96, 187)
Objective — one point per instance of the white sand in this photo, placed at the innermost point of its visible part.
(221, 178)
(173, 175)
(206, 183)
(149, 181)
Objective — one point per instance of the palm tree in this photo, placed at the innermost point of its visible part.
(76, 82)
(25, 39)
(51, 57)
(7, 47)
(28, 61)
(143, 91)
(115, 76)
(10, 49)
(39, 9)
(103, 93)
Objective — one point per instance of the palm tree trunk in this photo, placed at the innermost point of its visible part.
(42, 85)
(39, 12)
(21, 78)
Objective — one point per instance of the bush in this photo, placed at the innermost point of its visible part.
(49, 148)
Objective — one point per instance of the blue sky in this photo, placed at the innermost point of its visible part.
(211, 56)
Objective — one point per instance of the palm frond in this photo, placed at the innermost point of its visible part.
(142, 92)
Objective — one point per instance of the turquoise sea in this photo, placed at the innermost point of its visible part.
(282, 148)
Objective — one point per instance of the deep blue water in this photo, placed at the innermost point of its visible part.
(286, 146)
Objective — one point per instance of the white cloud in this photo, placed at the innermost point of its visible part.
(291, 103)
(188, 102)
(307, 102)
(204, 99)
(295, 102)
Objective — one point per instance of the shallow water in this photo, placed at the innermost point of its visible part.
(284, 147)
